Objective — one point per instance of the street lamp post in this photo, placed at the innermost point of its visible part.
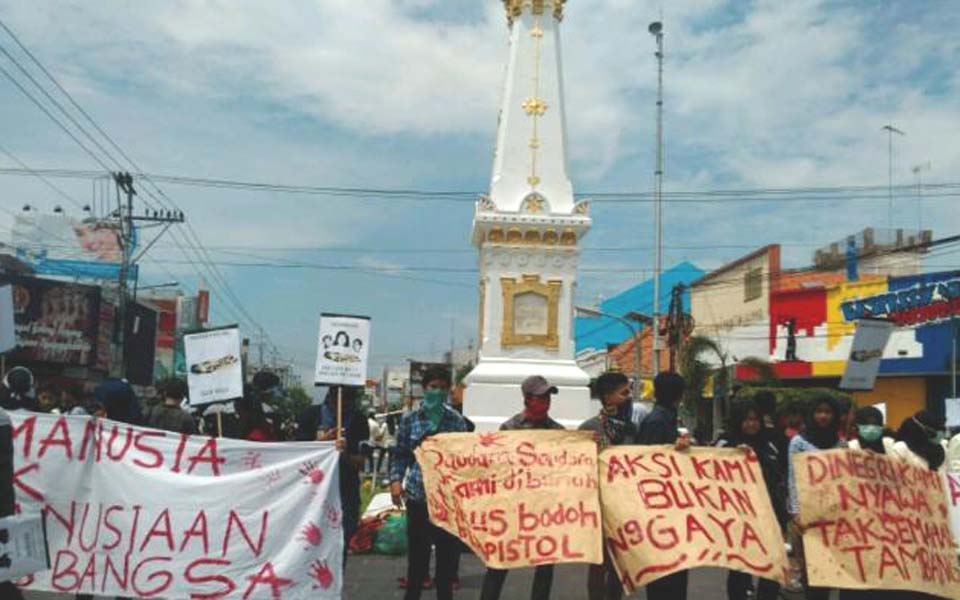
(656, 29)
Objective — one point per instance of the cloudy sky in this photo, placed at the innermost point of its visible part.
(404, 94)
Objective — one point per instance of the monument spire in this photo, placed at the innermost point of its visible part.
(531, 137)
(528, 231)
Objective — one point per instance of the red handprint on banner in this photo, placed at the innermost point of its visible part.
(322, 574)
(311, 534)
(312, 472)
(489, 439)
(334, 516)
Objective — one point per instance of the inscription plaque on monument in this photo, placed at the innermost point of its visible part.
(530, 314)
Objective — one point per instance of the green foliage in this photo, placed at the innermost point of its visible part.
(696, 371)
(291, 403)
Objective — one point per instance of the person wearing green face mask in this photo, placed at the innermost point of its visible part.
(870, 432)
(432, 417)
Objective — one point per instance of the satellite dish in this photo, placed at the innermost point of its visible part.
(656, 28)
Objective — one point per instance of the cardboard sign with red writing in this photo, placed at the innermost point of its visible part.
(666, 511)
(517, 498)
(874, 522)
(137, 512)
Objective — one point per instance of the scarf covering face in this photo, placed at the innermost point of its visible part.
(536, 410)
(826, 437)
(432, 405)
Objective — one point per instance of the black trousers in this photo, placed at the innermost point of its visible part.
(421, 533)
(494, 579)
(671, 587)
(738, 583)
(8, 590)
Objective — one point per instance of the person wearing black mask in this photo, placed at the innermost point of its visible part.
(920, 441)
(613, 426)
(745, 430)
(821, 433)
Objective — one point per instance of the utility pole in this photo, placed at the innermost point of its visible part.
(890, 129)
(126, 219)
(656, 29)
(917, 170)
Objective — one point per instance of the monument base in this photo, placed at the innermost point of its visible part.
(493, 391)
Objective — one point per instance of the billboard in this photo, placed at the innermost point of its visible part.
(55, 321)
(61, 245)
(140, 344)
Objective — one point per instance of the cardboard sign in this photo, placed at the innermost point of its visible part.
(863, 364)
(214, 371)
(342, 351)
(136, 512)
(874, 522)
(23, 546)
(667, 511)
(517, 498)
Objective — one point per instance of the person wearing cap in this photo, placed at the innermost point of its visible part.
(537, 393)
(432, 417)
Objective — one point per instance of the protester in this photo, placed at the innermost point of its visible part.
(614, 424)
(537, 393)
(920, 441)
(375, 444)
(8, 591)
(845, 409)
(871, 437)
(119, 401)
(745, 429)
(18, 390)
(169, 415)
(660, 427)
(319, 423)
(432, 417)
(870, 433)
(71, 400)
(254, 426)
(47, 400)
(822, 432)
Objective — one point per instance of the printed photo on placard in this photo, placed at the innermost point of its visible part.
(214, 372)
(342, 350)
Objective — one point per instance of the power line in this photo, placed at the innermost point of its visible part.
(799, 194)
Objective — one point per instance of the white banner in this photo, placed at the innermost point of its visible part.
(214, 370)
(8, 329)
(863, 364)
(143, 513)
(342, 350)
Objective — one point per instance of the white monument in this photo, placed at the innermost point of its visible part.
(528, 232)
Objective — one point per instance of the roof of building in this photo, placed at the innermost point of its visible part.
(599, 332)
(736, 263)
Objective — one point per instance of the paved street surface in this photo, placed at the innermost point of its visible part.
(375, 577)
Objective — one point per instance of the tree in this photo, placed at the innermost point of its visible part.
(696, 371)
(291, 403)
(764, 370)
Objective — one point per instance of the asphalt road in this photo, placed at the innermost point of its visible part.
(375, 577)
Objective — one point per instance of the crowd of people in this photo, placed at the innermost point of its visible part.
(757, 425)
